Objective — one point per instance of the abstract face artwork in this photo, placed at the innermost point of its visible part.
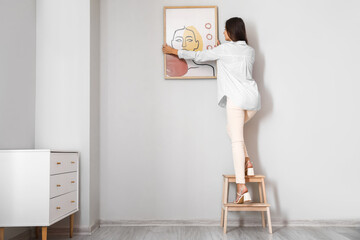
(192, 29)
(187, 38)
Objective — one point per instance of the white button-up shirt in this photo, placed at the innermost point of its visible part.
(234, 79)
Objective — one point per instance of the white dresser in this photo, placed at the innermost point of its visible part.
(38, 187)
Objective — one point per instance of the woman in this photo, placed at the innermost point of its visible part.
(237, 91)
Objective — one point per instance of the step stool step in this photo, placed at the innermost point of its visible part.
(247, 208)
(255, 178)
(233, 176)
(230, 204)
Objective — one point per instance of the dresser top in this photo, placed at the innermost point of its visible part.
(35, 150)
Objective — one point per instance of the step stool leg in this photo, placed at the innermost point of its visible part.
(222, 217)
(263, 219)
(226, 193)
(225, 219)
(225, 200)
(269, 219)
(261, 200)
(263, 190)
(222, 203)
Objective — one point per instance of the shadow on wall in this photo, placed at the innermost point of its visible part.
(252, 136)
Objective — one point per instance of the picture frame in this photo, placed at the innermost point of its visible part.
(192, 28)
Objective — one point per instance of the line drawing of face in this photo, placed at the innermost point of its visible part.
(187, 38)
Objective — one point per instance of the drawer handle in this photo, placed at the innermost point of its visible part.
(57, 207)
(58, 163)
(72, 201)
(72, 162)
(58, 185)
(72, 181)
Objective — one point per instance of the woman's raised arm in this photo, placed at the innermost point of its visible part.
(198, 56)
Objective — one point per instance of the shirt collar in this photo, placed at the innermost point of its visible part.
(242, 42)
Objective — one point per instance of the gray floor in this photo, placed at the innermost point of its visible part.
(209, 233)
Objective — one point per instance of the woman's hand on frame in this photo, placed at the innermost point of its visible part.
(169, 50)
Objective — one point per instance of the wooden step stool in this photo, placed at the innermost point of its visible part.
(262, 206)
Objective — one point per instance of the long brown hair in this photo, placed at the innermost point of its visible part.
(235, 28)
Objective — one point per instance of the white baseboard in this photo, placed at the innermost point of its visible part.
(232, 222)
(63, 231)
(248, 222)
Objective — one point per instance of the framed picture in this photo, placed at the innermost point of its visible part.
(193, 28)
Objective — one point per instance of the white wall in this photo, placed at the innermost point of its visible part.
(17, 78)
(164, 145)
(17, 74)
(65, 119)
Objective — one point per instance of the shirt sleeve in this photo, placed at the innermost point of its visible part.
(201, 56)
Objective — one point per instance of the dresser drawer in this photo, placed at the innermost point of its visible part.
(63, 162)
(63, 183)
(63, 204)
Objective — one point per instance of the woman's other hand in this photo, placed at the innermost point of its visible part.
(169, 50)
(217, 43)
